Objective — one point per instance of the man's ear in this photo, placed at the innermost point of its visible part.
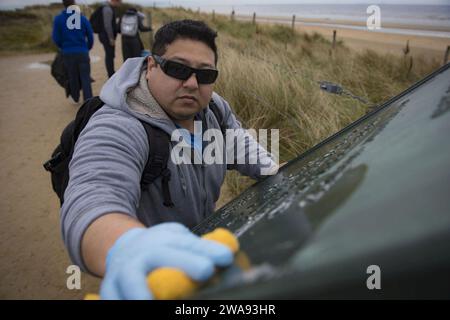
(151, 63)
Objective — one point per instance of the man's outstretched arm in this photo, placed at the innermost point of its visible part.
(109, 157)
(124, 252)
(101, 236)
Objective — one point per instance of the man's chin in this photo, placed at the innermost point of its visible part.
(187, 111)
(180, 117)
(184, 114)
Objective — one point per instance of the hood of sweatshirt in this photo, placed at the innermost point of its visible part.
(127, 90)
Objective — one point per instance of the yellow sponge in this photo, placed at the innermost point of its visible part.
(171, 283)
(225, 237)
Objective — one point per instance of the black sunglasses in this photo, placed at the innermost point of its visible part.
(183, 72)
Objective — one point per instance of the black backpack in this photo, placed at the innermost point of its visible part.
(156, 165)
(96, 20)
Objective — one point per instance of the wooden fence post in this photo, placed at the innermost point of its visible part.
(232, 15)
(333, 46)
(254, 18)
(293, 22)
(406, 49)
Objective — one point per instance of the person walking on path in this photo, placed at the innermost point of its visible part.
(74, 42)
(130, 25)
(108, 34)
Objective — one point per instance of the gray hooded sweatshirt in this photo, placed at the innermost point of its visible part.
(112, 150)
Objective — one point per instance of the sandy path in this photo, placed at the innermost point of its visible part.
(33, 113)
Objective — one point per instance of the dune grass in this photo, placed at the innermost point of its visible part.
(26, 31)
(268, 73)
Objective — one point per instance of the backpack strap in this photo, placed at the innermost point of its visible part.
(218, 114)
(84, 114)
(58, 165)
(158, 157)
(70, 134)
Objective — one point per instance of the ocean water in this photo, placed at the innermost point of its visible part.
(424, 15)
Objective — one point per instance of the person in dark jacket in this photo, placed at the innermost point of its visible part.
(109, 33)
(130, 25)
(74, 42)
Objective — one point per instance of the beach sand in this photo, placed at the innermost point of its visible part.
(429, 47)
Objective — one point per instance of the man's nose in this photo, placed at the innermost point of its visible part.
(191, 82)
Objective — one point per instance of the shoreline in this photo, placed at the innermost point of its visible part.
(360, 38)
(342, 23)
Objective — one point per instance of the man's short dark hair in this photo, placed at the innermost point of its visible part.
(184, 29)
(68, 3)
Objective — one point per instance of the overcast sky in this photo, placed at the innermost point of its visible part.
(21, 3)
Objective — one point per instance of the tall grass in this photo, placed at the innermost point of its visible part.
(27, 31)
(280, 90)
(270, 74)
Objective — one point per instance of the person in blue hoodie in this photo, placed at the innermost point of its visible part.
(74, 37)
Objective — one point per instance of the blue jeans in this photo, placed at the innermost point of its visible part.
(78, 67)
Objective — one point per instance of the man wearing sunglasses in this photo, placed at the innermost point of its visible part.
(110, 226)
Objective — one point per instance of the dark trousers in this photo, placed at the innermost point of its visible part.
(131, 47)
(78, 68)
(109, 53)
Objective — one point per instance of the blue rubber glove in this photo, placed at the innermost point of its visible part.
(141, 250)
